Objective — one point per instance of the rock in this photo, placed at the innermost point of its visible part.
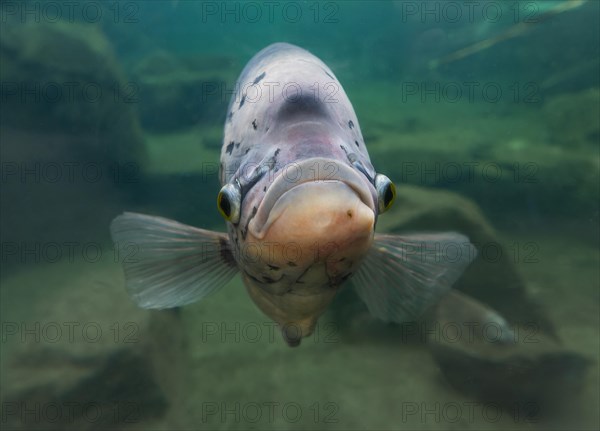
(179, 92)
(60, 77)
(573, 119)
(69, 131)
(492, 277)
(95, 360)
(504, 157)
(516, 367)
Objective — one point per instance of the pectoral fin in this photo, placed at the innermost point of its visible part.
(168, 264)
(402, 276)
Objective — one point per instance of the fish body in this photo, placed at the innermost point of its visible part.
(301, 199)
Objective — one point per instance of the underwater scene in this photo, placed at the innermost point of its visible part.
(285, 215)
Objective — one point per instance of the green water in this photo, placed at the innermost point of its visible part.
(485, 114)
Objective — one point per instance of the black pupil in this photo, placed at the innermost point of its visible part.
(224, 204)
(388, 195)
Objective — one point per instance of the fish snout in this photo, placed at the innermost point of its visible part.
(321, 221)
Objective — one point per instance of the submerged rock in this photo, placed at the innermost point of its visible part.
(574, 119)
(517, 368)
(95, 360)
(492, 278)
(60, 77)
(69, 131)
(179, 92)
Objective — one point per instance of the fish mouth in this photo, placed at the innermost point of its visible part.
(322, 171)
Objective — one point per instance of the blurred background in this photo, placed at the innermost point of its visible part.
(485, 114)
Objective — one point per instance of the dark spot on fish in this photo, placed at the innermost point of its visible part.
(237, 145)
(349, 212)
(254, 124)
(226, 254)
(351, 156)
(345, 277)
(247, 151)
(356, 142)
(290, 263)
(301, 105)
(327, 73)
(299, 279)
(230, 116)
(350, 124)
(267, 129)
(277, 151)
(242, 101)
(259, 78)
(229, 149)
(272, 267)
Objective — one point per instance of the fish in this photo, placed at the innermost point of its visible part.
(300, 198)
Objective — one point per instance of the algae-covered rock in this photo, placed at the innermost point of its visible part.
(492, 278)
(574, 119)
(178, 92)
(504, 157)
(62, 77)
(93, 361)
(515, 367)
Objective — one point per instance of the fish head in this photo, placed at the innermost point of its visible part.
(303, 229)
(303, 188)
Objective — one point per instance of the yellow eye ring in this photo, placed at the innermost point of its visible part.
(224, 206)
(229, 202)
(386, 192)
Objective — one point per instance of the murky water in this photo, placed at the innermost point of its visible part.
(486, 117)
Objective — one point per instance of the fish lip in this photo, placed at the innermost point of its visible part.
(313, 169)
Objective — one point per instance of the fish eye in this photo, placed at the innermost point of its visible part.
(229, 201)
(386, 192)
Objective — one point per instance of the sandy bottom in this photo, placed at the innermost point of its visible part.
(241, 375)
